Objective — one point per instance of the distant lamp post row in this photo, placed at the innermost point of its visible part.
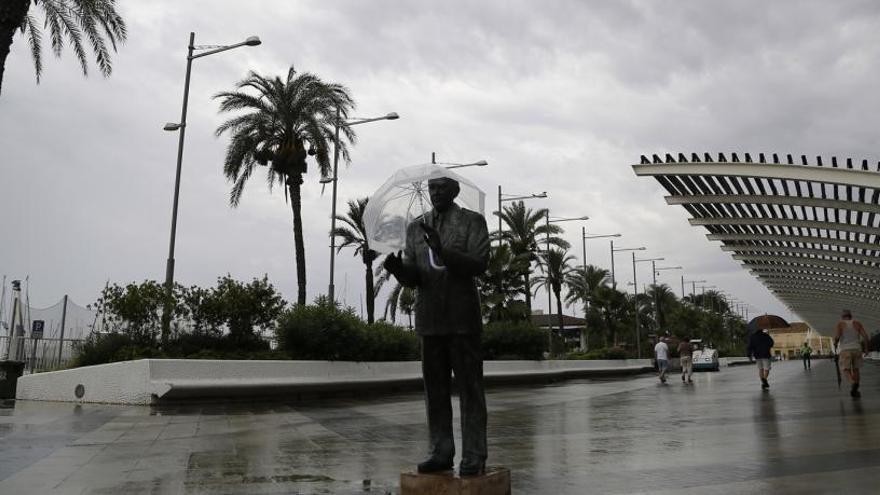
(693, 285)
(636, 300)
(181, 127)
(331, 289)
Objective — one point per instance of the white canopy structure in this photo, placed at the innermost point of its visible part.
(809, 231)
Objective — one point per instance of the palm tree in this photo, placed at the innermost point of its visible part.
(583, 283)
(614, 308)
(663, 299)
(353, 233)
(282, 118)
(95, 20)
(407, 303)
(502, 283)
(526, 229)
(555, 266)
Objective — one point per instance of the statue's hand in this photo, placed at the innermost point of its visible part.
(393, 263)
(432, 238)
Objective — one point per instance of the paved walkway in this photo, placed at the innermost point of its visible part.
(721, 435)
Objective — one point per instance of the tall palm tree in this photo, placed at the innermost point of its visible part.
(583, 283)
(283, 116)
(663, 299)
(95, 20)
(526, 234)
(407, 303)
(502, 284)
(353, 233)
(555, 267)
(614, 308)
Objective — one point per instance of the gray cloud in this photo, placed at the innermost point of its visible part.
(559, 96)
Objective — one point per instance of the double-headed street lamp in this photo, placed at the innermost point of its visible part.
(619, 250)
(549, 221)
(585, 237)
(636, 300)
(693, 285)
(658, 269)
(181, 126)
(514, 197)
(335, 181)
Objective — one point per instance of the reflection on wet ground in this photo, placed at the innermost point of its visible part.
(720, 435)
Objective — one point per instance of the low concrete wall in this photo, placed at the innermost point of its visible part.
(148, 381)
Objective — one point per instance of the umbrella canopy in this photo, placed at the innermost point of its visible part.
(404, 197)
(767, 321)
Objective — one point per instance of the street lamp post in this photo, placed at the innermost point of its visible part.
(181, 127)
(511, 197)
(584, 238)
(549, 291)
(331, 289)
(618, 250)
(636, 301)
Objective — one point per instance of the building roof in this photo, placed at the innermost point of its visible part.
(808, 231)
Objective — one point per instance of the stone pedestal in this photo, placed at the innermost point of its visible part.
(496, 481)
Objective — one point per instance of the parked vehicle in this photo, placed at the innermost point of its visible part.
(704, 356)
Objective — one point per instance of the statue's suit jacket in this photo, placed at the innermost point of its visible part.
(447, 300)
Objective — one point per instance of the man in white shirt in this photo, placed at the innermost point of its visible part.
(661, 352)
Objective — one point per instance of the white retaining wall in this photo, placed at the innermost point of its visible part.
(149, 380)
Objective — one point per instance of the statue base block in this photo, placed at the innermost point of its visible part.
(496, 481)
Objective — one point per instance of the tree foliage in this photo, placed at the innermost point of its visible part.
(280, 122)
(81, 24)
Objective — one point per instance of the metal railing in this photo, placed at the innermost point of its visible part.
(43, 354)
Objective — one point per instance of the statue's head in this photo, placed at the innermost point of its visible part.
(443, 192)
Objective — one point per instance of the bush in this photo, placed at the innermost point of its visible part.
(322, 331)
(110, 347)
(605, 353)
(513, 340)
(326, 332)
(387, 342)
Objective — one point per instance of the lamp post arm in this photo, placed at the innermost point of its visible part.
(215, 50)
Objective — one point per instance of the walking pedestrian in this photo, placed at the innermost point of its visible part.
(760, 345)
(686, 355)
(661, 351)
(851, 341)
(806, 352)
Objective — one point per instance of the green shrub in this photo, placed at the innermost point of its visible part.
(326, 332)
(513, 340)
(102, 348)
(387, 342)
(604, 353)
(322, 331)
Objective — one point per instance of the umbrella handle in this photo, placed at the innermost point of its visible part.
(433, 262)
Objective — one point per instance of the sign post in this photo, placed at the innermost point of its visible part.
(36, 334)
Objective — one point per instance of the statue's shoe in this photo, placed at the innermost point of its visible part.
(432, 465)
(469, 467)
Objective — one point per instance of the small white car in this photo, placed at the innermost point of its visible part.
(704, 356)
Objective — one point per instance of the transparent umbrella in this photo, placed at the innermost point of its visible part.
(404, 198)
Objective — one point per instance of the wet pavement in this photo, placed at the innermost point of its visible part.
(721, 435)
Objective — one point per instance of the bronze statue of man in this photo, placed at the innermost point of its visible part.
(445, 250)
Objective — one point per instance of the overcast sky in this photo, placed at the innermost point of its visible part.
(557, 96)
